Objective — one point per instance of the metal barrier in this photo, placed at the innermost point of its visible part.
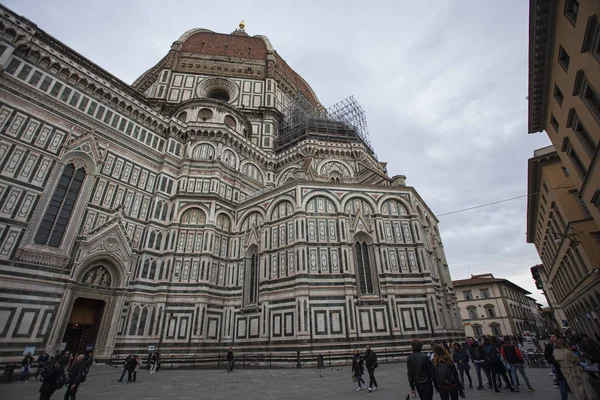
(296, 359)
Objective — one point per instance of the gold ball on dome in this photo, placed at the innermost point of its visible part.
(242, 25)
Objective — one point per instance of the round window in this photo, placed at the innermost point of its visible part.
(219, 94)
(205, 114)
(230, 121)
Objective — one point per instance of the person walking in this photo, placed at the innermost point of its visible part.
(496, 367)
(125, 364)
(571, 370)
(49, 385)
(136, 367)
(230, 360)
(25, 367)
(153, 363)
(514, 359)
(461, 358)
(89, 361)
(420, 372)
(358, 370)
(76, 376)
(158, 357)
(476, 352)
(371, 363)
(445, 375)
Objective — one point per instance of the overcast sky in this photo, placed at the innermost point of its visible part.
(443, 84)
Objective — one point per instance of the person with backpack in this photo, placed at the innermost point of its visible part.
(420, 372)
(445, 375)
(52, 381)
(76, 376)
(461, 358)
(371, 362)
(358, 370)
(514, 359)
(497, 368)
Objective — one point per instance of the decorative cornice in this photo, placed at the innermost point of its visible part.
(534, 172)
(542, 24)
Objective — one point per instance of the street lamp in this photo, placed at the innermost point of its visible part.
(570, 234)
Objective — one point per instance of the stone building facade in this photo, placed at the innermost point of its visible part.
(496, 306)
(192, 211)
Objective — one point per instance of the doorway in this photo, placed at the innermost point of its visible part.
(84, 324)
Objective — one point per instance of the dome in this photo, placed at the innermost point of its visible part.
(223, 51)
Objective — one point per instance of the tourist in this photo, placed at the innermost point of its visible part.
(125, 365)
(76, 376)
(49, 382)
(590, 349)
(89, 360)
(371, 363)
(497, 369)
(157, 361)
(25, 366)
(461, 358)
(153, 363)
(358, 370)
(136, 367)
(445, 375)
(230, 360)
(571, 370)
(479, 361)
(514, 358)
(42, 361)
(420, 372)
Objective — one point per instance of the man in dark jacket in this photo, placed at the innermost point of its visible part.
(49, 383)
(476, 352)
(514, 359)
(230, 360)
(371, 363)
(76, 376)
(420, 372)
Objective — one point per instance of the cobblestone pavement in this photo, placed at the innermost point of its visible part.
(329, 383)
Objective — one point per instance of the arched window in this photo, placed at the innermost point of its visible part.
(134, 321)
(158, 319)
(158, 243)
(251, 289)
(143, 317)
(152, 270)
(163, 217)
(157, 209)
(58, 213)
(151, 239)
(145, 269)
(362, 262)
(151, 322)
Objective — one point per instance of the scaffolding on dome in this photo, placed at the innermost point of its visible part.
(343, 122)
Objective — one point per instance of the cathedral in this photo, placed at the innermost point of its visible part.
(214, 202)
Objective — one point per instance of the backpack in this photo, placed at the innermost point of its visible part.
(443, 374)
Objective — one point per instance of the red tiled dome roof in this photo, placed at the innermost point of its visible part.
(218, 44)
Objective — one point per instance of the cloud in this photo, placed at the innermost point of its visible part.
(444, 86)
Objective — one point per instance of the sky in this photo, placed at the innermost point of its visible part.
(443, 85)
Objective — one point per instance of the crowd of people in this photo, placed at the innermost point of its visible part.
(62, 369)
(501, 361)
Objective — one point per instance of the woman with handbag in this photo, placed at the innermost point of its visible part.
(358, 370)
(445, 375)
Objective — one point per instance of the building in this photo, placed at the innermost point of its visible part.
(496, 306)
(213, 202)
(563, 213)
(564, 87)
(566, 238)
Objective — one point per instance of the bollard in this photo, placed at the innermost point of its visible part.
(298, 365)
(320, 362)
